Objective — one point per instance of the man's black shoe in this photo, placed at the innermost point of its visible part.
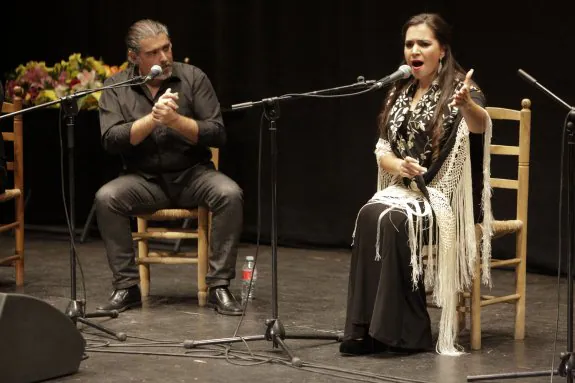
(123, 299)
(222, 300)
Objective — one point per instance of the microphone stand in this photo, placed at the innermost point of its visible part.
(69, 105)
(275, 331)
(567, 363)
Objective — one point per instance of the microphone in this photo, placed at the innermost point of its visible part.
(535, 83)
(420, 182)
(404, 71)
(154, 72)
(526, 76)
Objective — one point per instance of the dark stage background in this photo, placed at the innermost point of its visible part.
(256, 49)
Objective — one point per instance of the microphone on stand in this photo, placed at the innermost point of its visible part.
(404, 71)
(527, 77)
(154, 72)
(530, 79)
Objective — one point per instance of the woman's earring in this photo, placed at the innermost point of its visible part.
(440, 67)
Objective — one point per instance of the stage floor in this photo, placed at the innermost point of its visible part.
(312, 286)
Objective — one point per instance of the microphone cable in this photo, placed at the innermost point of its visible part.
(560, 242)
(233, 356)
(67, 213)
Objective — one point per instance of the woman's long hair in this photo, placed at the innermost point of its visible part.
(450, 72)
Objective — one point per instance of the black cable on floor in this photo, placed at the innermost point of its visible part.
(236, 357)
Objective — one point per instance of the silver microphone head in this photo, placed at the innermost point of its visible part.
(406, 70)
(403, 72)
(155, 72)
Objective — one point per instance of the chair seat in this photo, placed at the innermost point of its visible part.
(170, 214)
(10, 194)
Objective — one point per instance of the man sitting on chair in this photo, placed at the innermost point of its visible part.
(163, 130)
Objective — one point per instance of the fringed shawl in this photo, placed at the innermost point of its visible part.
(447, 218)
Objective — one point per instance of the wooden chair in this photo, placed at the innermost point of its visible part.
(475, 301)
(16, 194)
(146, 257)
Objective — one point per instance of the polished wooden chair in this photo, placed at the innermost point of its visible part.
(474, 301)
(146, 257)
(15, 192)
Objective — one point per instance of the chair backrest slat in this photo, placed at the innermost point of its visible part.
(504, 114)
(505, 150)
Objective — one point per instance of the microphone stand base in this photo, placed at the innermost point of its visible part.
(275, 333)
(75, 311)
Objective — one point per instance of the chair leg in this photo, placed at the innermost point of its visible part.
(88, 223)
(19, 241)
(19, 247)
(203, 230)
(179, 241)
(143, 253)
(520, 276)
(476, 306)
(461, 313)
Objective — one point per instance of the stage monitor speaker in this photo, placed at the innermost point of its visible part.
(37, 341)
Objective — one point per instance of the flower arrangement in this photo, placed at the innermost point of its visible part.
(42, 84)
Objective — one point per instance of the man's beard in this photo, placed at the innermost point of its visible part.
(165, 76)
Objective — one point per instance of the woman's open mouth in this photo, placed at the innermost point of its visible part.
(416, 64)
